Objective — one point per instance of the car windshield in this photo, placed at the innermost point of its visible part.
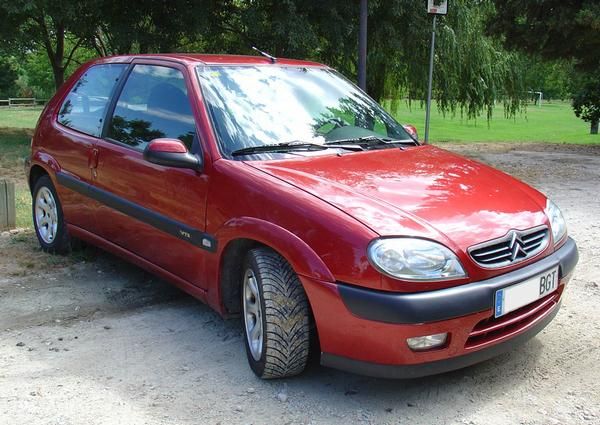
(255, 106)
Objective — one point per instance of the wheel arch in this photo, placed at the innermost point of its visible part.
(35, 172)
(42, 163)
(240, 235)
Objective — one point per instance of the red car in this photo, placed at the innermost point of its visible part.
(277, 191)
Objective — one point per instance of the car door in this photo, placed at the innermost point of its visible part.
(72, 139)
(154, 211)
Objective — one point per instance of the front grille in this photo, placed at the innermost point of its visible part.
(514, 247)
(493, 329)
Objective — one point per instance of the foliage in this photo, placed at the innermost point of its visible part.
(8, 77)
(148, 26)
(37, 71)
(555, 29)
(552, 78)
(484, 72)
(472, 71)
(586, 101)
(48, 25)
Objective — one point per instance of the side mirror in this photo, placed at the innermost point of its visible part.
(171, 153)
(412, 130)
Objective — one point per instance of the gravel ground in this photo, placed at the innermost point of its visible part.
(89, 339)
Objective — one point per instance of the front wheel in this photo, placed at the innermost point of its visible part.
(276, 316)
(48, 218)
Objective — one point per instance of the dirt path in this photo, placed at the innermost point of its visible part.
(93, 340)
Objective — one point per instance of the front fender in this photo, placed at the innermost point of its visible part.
(302, 258)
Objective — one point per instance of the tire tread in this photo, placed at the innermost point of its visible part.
(287, 332)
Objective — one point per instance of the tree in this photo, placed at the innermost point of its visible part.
(8, 77)
(37, 75)
(552, 78)
(149, 26)
(49, 25)
(554, 29)
(558, 29)
(473, 71)
(586, 101)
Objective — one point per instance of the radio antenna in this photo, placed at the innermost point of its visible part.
(273, 59)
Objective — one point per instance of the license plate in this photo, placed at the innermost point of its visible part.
(516, 296)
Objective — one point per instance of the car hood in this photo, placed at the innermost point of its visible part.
(422, 191)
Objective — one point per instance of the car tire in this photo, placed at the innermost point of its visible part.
(48, 219)
(273, 297)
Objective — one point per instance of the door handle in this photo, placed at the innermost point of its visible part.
(93, 159)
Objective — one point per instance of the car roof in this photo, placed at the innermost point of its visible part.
(209, 59)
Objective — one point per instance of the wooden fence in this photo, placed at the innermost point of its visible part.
(13, 102)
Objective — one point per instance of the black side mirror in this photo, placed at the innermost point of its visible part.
(171, 153)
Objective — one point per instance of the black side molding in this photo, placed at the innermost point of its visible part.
(431, 306)
(154, 219)
(440, 366)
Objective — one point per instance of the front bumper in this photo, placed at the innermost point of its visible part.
(365, 331)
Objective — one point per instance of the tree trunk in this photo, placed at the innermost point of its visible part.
(594, 127)
(59, 54)
(59, 76)
(56, 53)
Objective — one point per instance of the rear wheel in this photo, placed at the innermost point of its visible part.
(48, 217)
(275, 316)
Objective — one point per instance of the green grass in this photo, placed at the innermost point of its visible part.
(19, 117)
(14, 148)
(14, 145)
(23, 207)
(553, 122)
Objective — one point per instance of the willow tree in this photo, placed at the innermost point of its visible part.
(472, 71)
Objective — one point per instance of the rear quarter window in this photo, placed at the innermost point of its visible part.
(84, 107)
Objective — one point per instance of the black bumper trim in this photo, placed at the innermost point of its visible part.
(443, 304)
(432, 368)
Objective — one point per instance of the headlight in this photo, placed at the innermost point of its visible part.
(557, 221)
(414, 259)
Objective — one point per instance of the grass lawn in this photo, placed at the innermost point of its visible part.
(19, 117)
(16, 128)
(14, 147)
(553, 122)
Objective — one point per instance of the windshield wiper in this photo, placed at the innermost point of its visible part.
(287, 147)
(369, 141)
(280, 147)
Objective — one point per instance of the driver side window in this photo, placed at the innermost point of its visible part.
(83, 108)
(153, 104)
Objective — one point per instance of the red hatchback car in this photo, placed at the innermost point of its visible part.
(277, 191)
